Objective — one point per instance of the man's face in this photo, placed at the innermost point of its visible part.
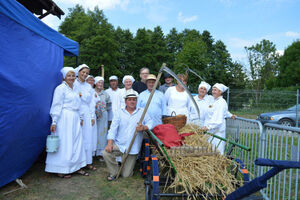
(131, 102)
(168, 80)
(113, 83)
(144, 74)
(150, 84)
(202, 91)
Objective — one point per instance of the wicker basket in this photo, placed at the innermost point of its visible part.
(178, 121)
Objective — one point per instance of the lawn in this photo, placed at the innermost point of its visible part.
(43, 186)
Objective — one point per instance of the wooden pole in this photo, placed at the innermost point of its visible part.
(124, 157)
(102, 71)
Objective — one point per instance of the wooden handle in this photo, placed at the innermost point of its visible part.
(102, 71)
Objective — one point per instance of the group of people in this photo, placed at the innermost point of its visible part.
(91, 121)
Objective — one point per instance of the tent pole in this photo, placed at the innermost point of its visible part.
(76, 61)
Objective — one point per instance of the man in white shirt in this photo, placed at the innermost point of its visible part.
(123, 127)
(113, 92)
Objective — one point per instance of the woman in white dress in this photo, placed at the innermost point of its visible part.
(102, 104)
(203, 100)
(217, 112)
(66, 123)
(177, 98)
(128, 80)
(86, 93)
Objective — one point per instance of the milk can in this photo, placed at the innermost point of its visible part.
(52, 143)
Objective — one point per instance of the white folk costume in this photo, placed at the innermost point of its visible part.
(179, 102)
(215, 119)
(114, 97)
(64, 111)
(86, 93)
(202, 105)
(102, 104)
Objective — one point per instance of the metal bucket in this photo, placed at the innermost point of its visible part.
(52, 143)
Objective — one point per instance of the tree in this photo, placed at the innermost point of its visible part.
(159, 49)
(174, 45)
(289, 66)
(263, 61)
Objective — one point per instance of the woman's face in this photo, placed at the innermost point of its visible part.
(99, 85)
(70, 78)
(216, 92)
(183, 81)
(202, 91)
(83, 74)
(128, 84)
(91, 81)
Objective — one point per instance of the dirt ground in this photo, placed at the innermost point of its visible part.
(44, 186)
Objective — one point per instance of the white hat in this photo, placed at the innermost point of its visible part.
(98, 78)
(113, 78)
(80, 67)
(131, 93)
(221, 87)
(128, 77)
(89, 76)
(204, 84)
(65, 70)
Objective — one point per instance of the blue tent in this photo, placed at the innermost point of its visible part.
(31, 56)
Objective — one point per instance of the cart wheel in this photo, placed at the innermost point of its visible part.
(155, 178)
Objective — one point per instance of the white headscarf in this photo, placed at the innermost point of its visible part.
(77, 69)
(204, 84)
(89, 76)
(128, 77)
(113, 78)
(98, 78)
(65, 70)
(221, 87)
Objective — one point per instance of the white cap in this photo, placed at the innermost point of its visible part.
(131, 93)
(113, 78)
(221, 87)
(98, 78)
(204, 84)
(89, 76)
(77, 69)
(65, 70)
(128, 77)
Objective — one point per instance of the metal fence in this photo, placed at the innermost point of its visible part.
(281, 143)
(270, 141)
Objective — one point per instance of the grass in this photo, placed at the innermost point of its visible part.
(43, 186)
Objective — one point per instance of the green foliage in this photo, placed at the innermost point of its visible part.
(123, 53)
(263, 61)
(289, 66)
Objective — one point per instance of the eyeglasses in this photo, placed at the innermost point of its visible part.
(144, 73)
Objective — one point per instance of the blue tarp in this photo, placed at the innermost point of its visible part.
(31, 56)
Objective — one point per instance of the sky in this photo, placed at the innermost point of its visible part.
(238, 23)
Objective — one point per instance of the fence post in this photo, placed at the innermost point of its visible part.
(297, 102)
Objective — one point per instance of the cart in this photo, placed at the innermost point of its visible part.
(155, 182)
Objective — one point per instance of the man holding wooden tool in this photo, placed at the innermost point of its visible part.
(123, 127)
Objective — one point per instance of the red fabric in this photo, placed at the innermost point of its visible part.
(168, 134)
(183, 135)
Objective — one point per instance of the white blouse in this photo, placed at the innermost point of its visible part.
(177, 101)
(86, 93)
(64, 98)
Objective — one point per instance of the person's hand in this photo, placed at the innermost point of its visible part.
(233, 116)
(204, 129)
(53, 128)
(93, 122)
(81, 122)
(109, 148)
(140, 127)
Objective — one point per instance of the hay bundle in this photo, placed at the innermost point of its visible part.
(204, 174)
